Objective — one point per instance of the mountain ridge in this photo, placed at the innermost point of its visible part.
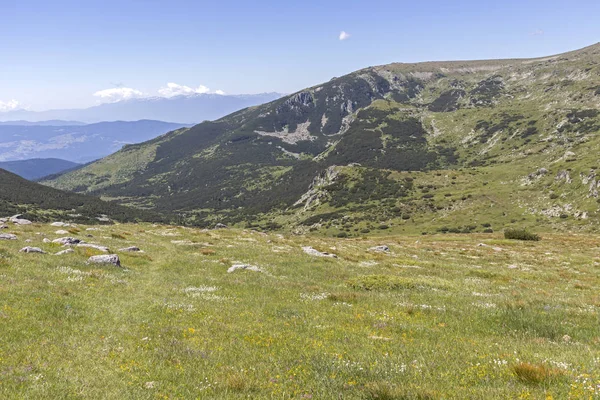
(398, 124)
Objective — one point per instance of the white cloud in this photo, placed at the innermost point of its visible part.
(537, 32)
(173, 89)
(344, 35)
(9, 105)
(220, 92)
(118, 94)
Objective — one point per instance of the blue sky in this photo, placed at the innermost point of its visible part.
(56, 54)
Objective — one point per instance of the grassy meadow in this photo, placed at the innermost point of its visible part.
(471, 316)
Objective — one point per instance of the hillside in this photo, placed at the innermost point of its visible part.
(438, 146)
(38, 167)
(41, 203)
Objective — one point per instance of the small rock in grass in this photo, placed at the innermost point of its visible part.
(46, 240)
(381, 249)
(62, 232)
(248, 267)
(21, 222)
(66, 240)
(94, 246)
(27, 240)
(314, 252)
(3, 226)
(513, 266)
(32, 250)
(221, 226)
(67, 251)
(112, 259)
(7, 236)
(60, 224)
(131, 249)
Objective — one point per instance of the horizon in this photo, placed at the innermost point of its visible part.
(72, 55)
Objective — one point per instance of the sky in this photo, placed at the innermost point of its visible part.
(75, 54)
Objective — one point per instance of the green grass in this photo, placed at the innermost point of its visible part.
(438, 318)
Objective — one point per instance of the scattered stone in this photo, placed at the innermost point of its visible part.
(314, 252)
(21, 222)
(380, 249)
(60, 224)
(105, 259)
(131, 249)
(67, 241)
(61, 232)
(235, 267)
(103, 218)
(563, 175)
(513, 266)
(3, 226)
(27, 240)
(46, 240)
(221, 226)
(63, 252)
(7, 236)
(495, 248)
(92, 229)
(566, 338)
(32, 250)
(93, 246)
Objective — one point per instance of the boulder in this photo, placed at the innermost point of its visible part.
(314, 252)
(61, 232)
(7, 236)
(60, 224)
(21, 222)
(67, 251)
(32, 250)
(248, 267)
(221, 226)
(131, 249)
(3, 226)
(93, 246)
(67, 240)
(380, 249)
(112, 259)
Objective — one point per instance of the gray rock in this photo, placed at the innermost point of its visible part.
(221, 226)
(46, 240)
(94, 246)
(67, 251)
(3, 226)
(32, 250)
(112, 259)
(563, 175)
(248, 267)
(60, 224)
(131, 249)
(7, 236)
(21, 222)
(27, 240)
(61, 232)
(314, 252)
(67, 240)
(380, 249)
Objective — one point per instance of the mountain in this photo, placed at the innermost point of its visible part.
(41, 203)
(76, 143)
(437, 146)
(54, 122)
(187, 109)
(37, 167)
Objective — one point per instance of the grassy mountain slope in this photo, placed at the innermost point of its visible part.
(431, 146)
(42, 203)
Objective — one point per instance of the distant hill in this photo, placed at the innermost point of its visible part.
(38, 202)
(55, 122)
(76, 143)
(37, 167)
(459, 146)
(184, 109)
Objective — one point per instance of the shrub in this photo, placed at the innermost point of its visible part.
(342, 235)
(520, 234)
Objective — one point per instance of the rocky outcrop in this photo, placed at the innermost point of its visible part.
(314, 252)
(67, 241)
